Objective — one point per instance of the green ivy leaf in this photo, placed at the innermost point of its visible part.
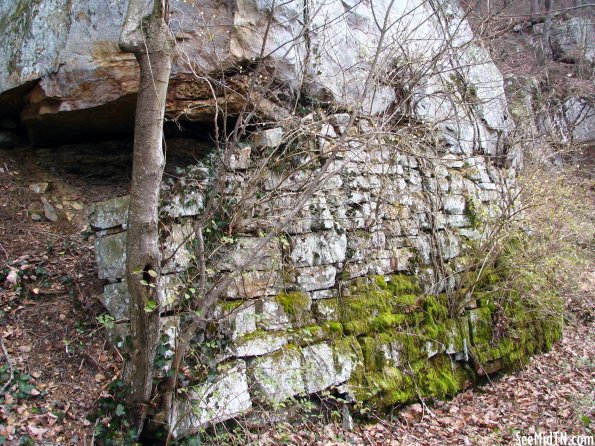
(150, 307)
(120, 410)
(152, 273)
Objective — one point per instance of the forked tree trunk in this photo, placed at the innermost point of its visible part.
(150, 40)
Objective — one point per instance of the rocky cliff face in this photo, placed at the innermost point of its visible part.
(63, 69)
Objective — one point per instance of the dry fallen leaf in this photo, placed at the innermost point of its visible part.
(99, 377)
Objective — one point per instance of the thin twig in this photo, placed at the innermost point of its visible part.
(9, 362)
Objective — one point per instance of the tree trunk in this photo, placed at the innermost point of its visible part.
(153, 47)
(547, 27)
(533, 11)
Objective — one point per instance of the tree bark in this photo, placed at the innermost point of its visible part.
(533, 11)
(150, 40)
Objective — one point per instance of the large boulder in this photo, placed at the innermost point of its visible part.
(63, 70)
(573, 40)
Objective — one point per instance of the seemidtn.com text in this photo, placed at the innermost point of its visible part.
(554, 439)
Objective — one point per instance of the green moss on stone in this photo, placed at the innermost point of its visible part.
(403, 284)
(436, 307)
(405, 301)
(334, 327)
(229, 305)
(294, 303)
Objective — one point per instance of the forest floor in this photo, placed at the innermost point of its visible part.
(55, 362)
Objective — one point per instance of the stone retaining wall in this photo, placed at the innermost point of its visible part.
(354, 295)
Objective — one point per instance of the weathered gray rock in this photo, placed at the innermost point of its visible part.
(242, 318)
(454, 204)
(348, 357)
(116, 297)
(240, 159)
(319, 248)
(212, 402)
(319, 367)
(277, 377)
(271, 138)
(252, 284)
(39, 188)
(258, 344)
(49, 212)
(579, 115)
(316, 277)
(242, 253)
(109, 213)
(326, 309)
(110, 251)
(573, 40)
(188, 203)
(175, 248)
(273, 316)
(110, 255)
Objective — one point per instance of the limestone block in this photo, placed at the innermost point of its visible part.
(381, 266)
(457, 336)
(478, 173)
(241, 319)
(383, 155)
(116, 300)
(573, 39)
(400, 258)
(116, 297)
(352, 270)
(173, 248)
(319, 367)
(470, 233)
(423, 247)
(252, 284)
(273, 315)
(409, 227)
(454, 204)
(277, 376)
(443, 184)
(242, 253)
(323, 294)
(487, 186)
(270, 138)
(212, 402)
(110, 255)
(316, 277)
(325, 139)
(340, 121)
(326, 309)
(361, 244)
(488, 196)
(457, 221)
(383, 169)
(453, 162)
(258, 344)
(186, 203)
(449, 245)
(348, 357)
(109, 213)
(240, 159)
(456, 183)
